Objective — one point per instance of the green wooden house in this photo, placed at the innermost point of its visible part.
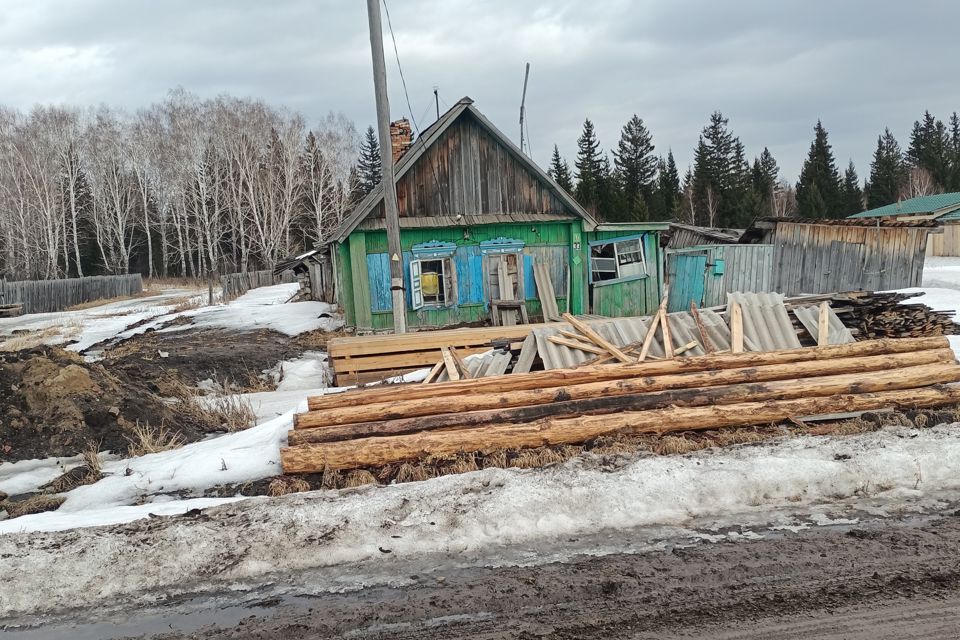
(471, 204)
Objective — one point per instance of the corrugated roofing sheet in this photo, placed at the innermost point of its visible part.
(624, 332)
(809, 317)
(766, 323)
(915, 206)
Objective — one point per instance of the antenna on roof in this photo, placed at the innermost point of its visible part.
(436, 100)
(523, 102)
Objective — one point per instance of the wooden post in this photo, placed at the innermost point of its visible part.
(389, 182)
(736, 328)
(707, 343)
(823, 328)
(651, 332)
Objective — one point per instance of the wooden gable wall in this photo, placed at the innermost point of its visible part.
(468, 172)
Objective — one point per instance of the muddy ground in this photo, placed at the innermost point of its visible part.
(53, 403)
(881, 580)
(231, 359)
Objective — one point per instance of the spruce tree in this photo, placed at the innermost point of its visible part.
(588, 167)
(887, 172)
(818, 191)
(722, 186)
(764, 176)
(851, 193)
(930, 149)
(667, 194)
(369, 167)
(636, 168)
(560, 171)
(611, 204)
(953, 179)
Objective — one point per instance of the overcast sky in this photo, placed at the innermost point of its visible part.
(772, 67)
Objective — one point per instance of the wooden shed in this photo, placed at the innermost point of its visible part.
(478, 221)
(827, 256)
(943, 209)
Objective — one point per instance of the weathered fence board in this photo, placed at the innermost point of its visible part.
(237, 284)
(43, 296)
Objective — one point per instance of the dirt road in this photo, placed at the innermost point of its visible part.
(882, 580)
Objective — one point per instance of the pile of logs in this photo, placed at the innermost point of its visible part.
(373, 427)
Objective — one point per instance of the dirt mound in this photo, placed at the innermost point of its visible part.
(52, 403)
(232, 359)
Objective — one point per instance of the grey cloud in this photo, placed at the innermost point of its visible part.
(773, 68)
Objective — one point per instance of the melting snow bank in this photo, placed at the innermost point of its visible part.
(473, 515)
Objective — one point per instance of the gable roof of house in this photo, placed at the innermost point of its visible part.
(430, 136)
(942, 206)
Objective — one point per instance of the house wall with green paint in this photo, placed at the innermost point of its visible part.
(365, 263)
(363, 269)
(629, 296)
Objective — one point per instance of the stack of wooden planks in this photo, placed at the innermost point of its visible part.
(370, 428)
(364, 359)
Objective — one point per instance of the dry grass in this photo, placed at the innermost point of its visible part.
(145, 439)
(285, 485)
(87, 473)
(230, 412)
(92, 304)
(359, 478)
(167, 283)
(34, 504)
(33, 339)
(317, 340)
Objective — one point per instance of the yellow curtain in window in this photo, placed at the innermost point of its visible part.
(430, 284)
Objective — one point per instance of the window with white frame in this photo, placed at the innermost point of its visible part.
(620, 258)
(432, 283)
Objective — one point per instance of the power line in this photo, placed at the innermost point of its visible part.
(416, 127)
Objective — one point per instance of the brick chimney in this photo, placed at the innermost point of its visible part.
(401, 137)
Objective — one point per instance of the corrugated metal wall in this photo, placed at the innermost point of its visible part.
(819, 258)
(728, 268)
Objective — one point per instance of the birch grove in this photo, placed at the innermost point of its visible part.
(182, 188)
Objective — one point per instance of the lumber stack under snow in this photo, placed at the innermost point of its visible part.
(376, 427)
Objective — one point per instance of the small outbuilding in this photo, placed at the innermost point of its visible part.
(480, 222)
(942, 208)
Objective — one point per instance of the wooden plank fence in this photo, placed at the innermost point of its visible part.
(43, 296)
(236, 284)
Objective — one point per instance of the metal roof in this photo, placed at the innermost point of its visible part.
(935, 205)
(428, 138)
(766, 322)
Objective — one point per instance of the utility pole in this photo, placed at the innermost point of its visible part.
(390, 207)
(523, 104)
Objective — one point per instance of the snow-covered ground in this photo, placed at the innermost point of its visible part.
(261, 308)
(789, 483)
(86, 327)
(941, 272)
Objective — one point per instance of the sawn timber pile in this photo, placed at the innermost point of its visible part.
(374, 427)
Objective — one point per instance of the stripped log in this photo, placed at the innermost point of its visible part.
(906, 378)
(476, 402)
(592, 373)
(375, 452)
